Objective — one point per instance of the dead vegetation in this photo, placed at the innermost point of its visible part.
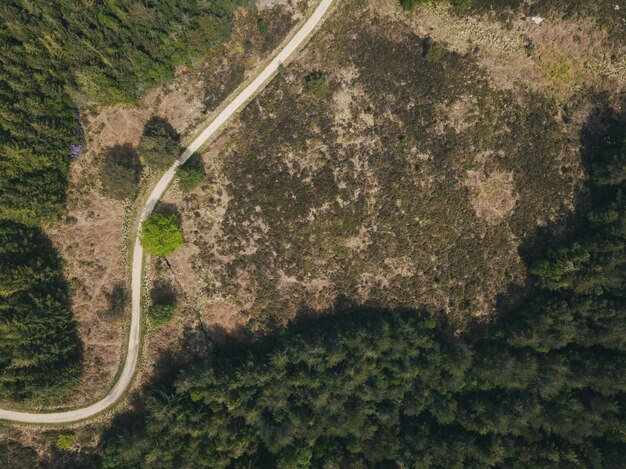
(411, 183)
(493, 197)
(562, 55)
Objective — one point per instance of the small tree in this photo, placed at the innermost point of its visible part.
(65, 441)
(191, 174)
(163, 307)
(159, 145)
(161, 234)
(159, 314)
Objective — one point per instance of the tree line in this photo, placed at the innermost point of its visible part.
(543, 386)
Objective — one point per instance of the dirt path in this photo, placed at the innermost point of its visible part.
(235, 104)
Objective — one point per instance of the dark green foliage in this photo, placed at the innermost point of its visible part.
(107, 52)
(91, 62)
(38, 342)
(411, 4)
(160, 315)
(25, 260)
(161, 234)
(163, 307)
(120, 172)
(159, 145)
(191, 174)
(262, 25)
(387, 389)
(321, 392)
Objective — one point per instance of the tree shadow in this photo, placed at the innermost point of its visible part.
(163, 292)
(605, 121)
(118, 300)
(124, 155)
(157, 125)
(167, 208)
(209, 344)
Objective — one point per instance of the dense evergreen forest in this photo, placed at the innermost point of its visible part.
(543, 386)
(54, 56)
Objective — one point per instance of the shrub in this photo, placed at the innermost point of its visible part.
(159, 314)
(411, 4)
(191, 174)
(159, 145)
(65, 441)
(317, 85)
(433, 51)
(161, 234)
(463, 4)
(120, 171)
(262, 25)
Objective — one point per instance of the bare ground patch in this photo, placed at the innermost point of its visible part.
(493, 197)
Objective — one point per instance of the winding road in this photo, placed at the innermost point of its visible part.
(235, 103)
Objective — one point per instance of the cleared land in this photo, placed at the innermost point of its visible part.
(413, 183)
(92, 236)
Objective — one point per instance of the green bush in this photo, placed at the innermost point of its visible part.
(65, 441)
(120, 172)
(463, 4)
(433, 51)
(262, 25)
(159, 145)
(161, 234)
(191, 174)
(160, 314)
(411, 4)
(317, 85)
(39, 348)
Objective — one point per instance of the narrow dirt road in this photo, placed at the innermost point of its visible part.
(235, 104)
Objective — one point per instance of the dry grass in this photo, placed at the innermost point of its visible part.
(92, 237)
(559, 56)
(411, 185)
(493, 195)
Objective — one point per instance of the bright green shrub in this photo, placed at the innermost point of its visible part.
(161, 234)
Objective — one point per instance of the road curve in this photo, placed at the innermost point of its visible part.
(134, 340)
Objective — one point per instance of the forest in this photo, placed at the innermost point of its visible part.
(542, 386)
(55, 57)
